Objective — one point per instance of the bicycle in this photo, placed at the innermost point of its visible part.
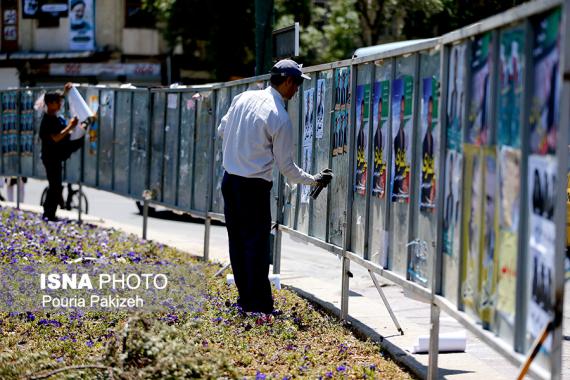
(69, 199)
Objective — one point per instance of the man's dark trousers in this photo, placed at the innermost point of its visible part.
(248, 221)
(53, 174)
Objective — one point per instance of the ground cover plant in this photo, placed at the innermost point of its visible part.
(216, 340)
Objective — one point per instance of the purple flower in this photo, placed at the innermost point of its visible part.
(49, 322)
(329, 375)
(89, 343)
(30, 316)
(372, 367)
(59, 360)
(341, 368)
(259, 376)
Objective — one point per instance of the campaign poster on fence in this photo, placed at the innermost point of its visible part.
(430, 144)
(472, 218)
(380, 113)
(455, 95)
(542, 236)
(321, 97)
(307, 165)
(478, 124)
(402, 92)
(509, 212)
(546, 82)
(308, 113)
(342, 88)
(487, 296)
(362, 130)
(511, 69)
(81, 25)
(93, 103)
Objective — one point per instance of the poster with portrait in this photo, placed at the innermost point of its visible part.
(430, 143)
(380, 113)
(307, 165)
(511, 69)
(544, 111)
(308, 116)
(542, 237)
(81, 25)
(487, 294)
(342, 88)
(509, 212)
(455, 107)
(472, 227)
(93, 132)
(479, 110)
(320, 111)
(361, 143)
(402, 92)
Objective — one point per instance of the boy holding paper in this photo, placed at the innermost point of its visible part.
(56, 147)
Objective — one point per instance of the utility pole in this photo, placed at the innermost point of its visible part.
(263, 36)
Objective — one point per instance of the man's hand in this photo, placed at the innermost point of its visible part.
(324, 177)
(68, 86)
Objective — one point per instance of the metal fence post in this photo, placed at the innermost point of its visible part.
(210, 188)
(433, 342)
(278, 222)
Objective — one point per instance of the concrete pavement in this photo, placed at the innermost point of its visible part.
(316, 274)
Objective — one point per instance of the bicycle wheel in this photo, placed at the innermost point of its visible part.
(75, 202)
(44, 196)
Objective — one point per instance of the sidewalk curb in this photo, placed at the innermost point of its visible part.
(397, 354)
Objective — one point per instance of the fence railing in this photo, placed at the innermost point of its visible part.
(450, 155)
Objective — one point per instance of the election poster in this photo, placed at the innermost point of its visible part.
(307, 165)
(509, 212)
(511, 69)
(472, 225)
(321, 97)
(93, 103)
(81, 25)
(342, 88)
(402, 92)
(487, 298)
(308, 113)
(380, 113)
(362, 130)
(544, 111)
(478, 132)
(430, 144)
(455, 97)
(542, 237)
(307, 152)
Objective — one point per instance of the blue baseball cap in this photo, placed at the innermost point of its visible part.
(288, 68)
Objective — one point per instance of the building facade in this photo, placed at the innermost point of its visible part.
(94, 41)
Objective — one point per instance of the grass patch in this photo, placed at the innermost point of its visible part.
(217, 340)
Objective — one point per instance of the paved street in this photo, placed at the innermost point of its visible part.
(317, 274)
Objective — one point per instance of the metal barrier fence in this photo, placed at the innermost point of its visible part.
(450, 157)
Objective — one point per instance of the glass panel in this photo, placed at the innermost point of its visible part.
(422, 254)
(39, 170)
(361, 160)
(157, 144)
(204, 126)
(340, 159)
(27, 132)
(10, 132)
(307, 136)
(106, 139)
(122, 135)
(403, 108)
(223, 104)
(290, 189)
(378, 239)
(92, 143)
(324, 102)
(139, 144)
(510, 106)
(187, 120)
(455, 109)
(171, 136)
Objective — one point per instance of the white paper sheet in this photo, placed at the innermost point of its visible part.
(449, 342)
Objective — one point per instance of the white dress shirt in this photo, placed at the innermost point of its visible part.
(256, 131)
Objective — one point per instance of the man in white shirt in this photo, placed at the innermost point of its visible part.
(257, 132)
